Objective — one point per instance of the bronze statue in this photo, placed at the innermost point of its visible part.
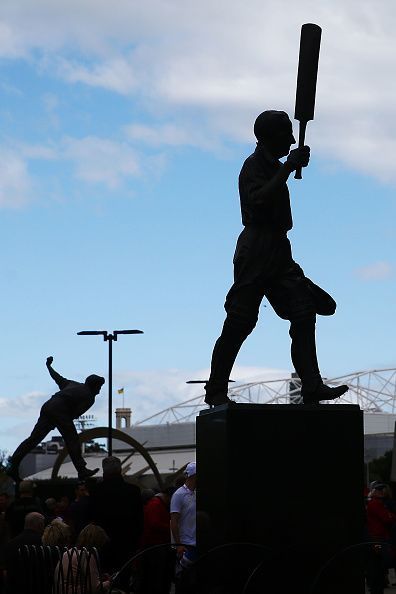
(264, 267)
(72, 400)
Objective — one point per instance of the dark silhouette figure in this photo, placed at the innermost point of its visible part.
(117, 507)
(79, 508)
(25, 503)
(263, 265)
(17, 581)
(72, 400)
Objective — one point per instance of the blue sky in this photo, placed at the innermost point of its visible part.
(122, 133)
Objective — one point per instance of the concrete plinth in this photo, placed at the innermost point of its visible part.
(286, 480)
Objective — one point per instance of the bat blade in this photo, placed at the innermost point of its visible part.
(307, 72)
(306, 79)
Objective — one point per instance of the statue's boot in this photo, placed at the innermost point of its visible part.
(303, 353)
(87, 473)
(323, 392)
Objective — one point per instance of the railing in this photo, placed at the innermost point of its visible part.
(57, 570)
(249, 568)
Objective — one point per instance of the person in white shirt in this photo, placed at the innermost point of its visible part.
(183, 515)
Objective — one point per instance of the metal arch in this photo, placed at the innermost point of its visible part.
(98, 432)
(373, 390)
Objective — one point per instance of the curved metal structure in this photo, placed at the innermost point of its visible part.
(374, 391)
(99, 432)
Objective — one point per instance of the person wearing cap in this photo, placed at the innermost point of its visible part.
(183, 515)
(263, 266)
(72, 400)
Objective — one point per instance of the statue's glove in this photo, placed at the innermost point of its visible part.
(298, 157)
(49, 361)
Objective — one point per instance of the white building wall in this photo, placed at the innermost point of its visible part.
(379, 423)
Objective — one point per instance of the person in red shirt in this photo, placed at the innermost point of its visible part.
(157, 564)
(380, 523)
(380, 520)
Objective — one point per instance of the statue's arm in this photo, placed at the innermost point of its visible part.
(262, 190)
(58, 379)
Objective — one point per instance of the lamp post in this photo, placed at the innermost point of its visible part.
(107, 336)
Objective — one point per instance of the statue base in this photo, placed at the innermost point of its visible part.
(280, 498)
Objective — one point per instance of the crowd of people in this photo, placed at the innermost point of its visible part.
(108, 524)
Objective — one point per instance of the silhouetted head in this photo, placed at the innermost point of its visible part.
(26, 488)
(50, 504)
(81, 490)
(92, 536)
(57, 534)
(380, 491)
(94, 383)
(111, 466)
(274, 129)
(34, 521)
(146, 495)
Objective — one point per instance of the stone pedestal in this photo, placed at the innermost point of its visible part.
(280, 491)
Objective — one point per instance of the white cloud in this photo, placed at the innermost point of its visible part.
(376, 271)
(166, 134)
(37, 151)
(94, 160)
(15, 182)
(221, 63)
(173, 135)
(10, 46)
(149, 392)
(115, 75)
(99, 160)
(26, 405)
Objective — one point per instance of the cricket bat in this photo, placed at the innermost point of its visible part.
(306, 80)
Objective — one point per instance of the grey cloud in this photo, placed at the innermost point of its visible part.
(25, 405)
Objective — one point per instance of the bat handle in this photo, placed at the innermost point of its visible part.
(301, 141)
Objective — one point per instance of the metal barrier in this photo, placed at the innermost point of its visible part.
(246, 568)
(57, 570)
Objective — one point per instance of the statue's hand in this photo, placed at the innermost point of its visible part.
(49, 361)
(298, 157)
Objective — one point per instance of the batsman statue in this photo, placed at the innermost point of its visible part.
(264, 267)
(72, 400)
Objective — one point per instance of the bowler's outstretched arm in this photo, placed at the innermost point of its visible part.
(58, 379)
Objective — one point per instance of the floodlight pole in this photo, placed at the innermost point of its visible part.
(108, 337)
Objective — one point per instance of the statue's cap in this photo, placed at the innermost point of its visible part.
(268, 122)
(95, 380)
